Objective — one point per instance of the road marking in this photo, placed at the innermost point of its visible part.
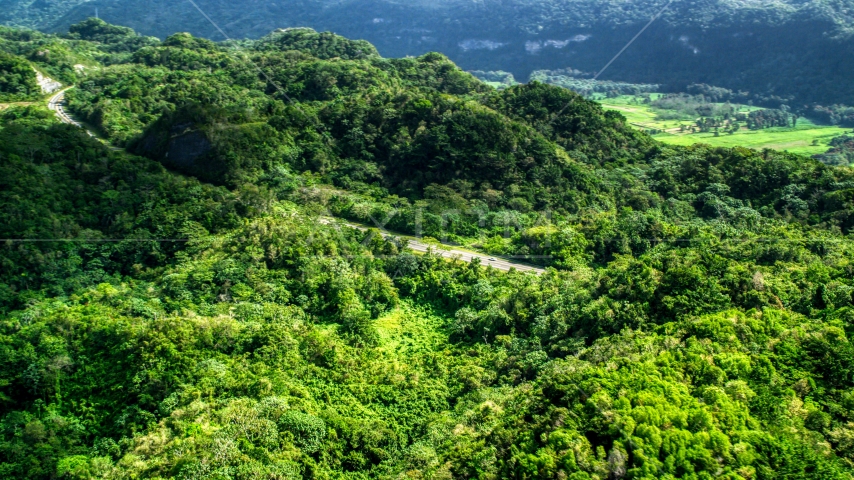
(55, 104)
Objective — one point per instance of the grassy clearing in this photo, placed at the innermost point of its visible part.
(4, 106)
(806, 139)
(410, 329)
(795, 140)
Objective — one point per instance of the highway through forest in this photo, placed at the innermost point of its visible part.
(447, 251)
(56, 104)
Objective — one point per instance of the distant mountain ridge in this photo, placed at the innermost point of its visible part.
(531, 16)
(794, 50)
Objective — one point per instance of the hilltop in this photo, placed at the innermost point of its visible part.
(792, 50)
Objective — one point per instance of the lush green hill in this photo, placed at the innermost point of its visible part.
(17, 79)
(795, 51)
(155, 324)
(36, 13)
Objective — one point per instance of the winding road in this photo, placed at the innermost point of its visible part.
(445, 251)
(56, 104)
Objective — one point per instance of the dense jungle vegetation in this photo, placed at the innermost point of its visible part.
(793, 50)
(588, 88)
(17, 79)
(841, 151)
(176, 309)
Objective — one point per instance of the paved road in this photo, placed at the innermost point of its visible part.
(56, 104)
(57, 100)
(496, 262)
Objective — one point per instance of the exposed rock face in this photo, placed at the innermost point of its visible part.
(184, 149)
(181, 147)
(48, 84)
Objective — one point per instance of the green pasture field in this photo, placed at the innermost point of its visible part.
(801, 139)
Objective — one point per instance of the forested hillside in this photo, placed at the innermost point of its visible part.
(176, 307)
(34, 13)
(795, 51)
(17, 79)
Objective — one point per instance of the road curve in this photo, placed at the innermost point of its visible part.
(56, 104)
(498, 263)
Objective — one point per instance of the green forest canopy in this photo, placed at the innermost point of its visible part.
(17, 79)
(794, 51)
(694, 323)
